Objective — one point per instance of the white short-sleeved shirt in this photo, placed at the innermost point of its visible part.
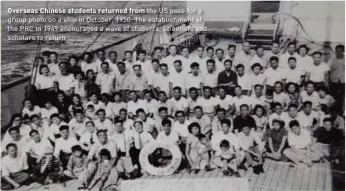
(12, 165)
(282, 98)
(317, 73)
(260, 60)
(224, 103)
(162, 82)
(257, 100)
(106, 81)
(77, 127)
(287, 118)
(294, 75)
(178, 79)
(79, 88)
(244, 81)
(210, 79)
(152, 106)
(89, 66)
(45, 113)
(54, 68)
(238, 101)
(181, 129)
(41, 148)
(256, 79)
(146, 65)
(45, 82)
(171, 139)
(193, 81)
(304, 61)
(193, 103)
(169, 60)
(153, 77)
(133, 106)
(35, 111)
(104, 125)
(65, 145)
(283, 61)
(307, 120)
(300, 141)
(96, 148)
(99, 105)
(314, 98)
(180, 104)
(66, 82)
(208, 105)
(273, 76)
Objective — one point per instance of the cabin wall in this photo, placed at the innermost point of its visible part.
(324, 21)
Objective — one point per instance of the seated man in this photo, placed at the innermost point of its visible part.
(226, 134)
(253, 147)
(203, 120)
(64, 144)
(14, 168)
(17, 139)
(327, 141)
(299, 140)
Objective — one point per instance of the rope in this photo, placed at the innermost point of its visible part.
(110, 22)
(158, 15)
(38, 52)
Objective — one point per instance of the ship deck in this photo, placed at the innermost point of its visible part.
(277, 176)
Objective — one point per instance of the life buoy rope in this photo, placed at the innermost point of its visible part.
(167, 170)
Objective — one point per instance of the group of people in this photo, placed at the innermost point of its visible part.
(224, 109)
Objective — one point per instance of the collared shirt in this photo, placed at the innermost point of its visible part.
(294, 75)
(186, 62)
(77, 127)
(79, 88)
(248, 141)
(153, 106)
(180, 104)
(162, 82)
(178, 79)
(283, 61)
(300, 141)
(282, 98)
(314, 98)
(65, 145)
(256, 79)
(316, 73)
(193, 81)
(54, 129)
(97, 147)
(12, 165)
(219, 65)
(133, 106)
(98, 63)
(39, 148)
(193, 103)
(167, 104)
(97, 106)
(106, 81)
(24, 131)
(45, 82)
(243, 58)
(201, 62)
(204, 122)
(139, 83)
(260, 60)
(65, 82)
(123, 81)
(158, 123)
(225, 78)
(113, 108)
(171, 139)
(141, 139)
(181, 128)
(210, 79)
(303, 61)
(208, 105)
(219, 136)
(273, 76)
(104, 125)
(153, 77)
(122, 140)
(21, 143)
(225, 102)
(89, 66)
(337, 70)
(148, 124)
(244, 81)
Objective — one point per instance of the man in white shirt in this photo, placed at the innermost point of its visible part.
(291, 52)
(273, 73)
(219, 60)
(307, 117)
(88, 64)
(178, 102)
(158, 54)
(148, 123)
(181, 126)
(244, 57)
(292, 74)
(151, 103)
(275, 51)
(224, 101)
(54, 66)
(258, 98)
(199, 58)
(243, 79)
(309, 94)
(167, 136)
(64, 144)
(106, 79)
(247, 140)
(208, 103)
(101, 57)
(155, 74)
(256, 77)
(192, 101)
(162, 81)
(77, 124)
(194, 79)
(144, 63)
(102, 143)
(259, 57)
(173, 56)
(139, 81)
(299, 141)
(14, 168)
(16, 138)
(135, 104)
(318, 72)
(177, 77)
(186, 59)
(66, 79)
(112, 61)
(211, 76)
(103, 123)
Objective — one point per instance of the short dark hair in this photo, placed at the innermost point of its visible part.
(293, 123)
(280, 122)
(140, 110)
(225, 144)
(211, 61)
(32, 132)
(194, 124)
(76, 148)
(244, 105)
(101, 131)
(274, 58)
(166, 122)
(256, 65)
(13, 129)
(113, 52)
(239, 66)
(64, 127)
(194, 64)
(228, 60)
(201, 136)
(232, 46)
(306, 103)
(162, 109)
(118, 120)
(226, 121)
(163, 65)
(105, 152)
(179, 111)
(155, 60)
(328, 119)
(11, 145)
(340, 46)
(317, 52)
(192, 89)
(292, 58)
(177, 61)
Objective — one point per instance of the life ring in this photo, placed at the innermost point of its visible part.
(167, 170)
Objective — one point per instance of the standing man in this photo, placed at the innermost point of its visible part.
(228, 78)
(244, 57)
(105, 79)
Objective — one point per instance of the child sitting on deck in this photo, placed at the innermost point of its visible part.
(204, 151)
(227, 159)
(77, 163)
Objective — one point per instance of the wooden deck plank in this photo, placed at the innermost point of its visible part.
(261, 177)
(320, 176)
(277, 172)
(327, 177)
(306, 177)
(283, 177)
(290, 178)
(270, 173)
(253, 179)
(200, 173)
(214, 173)
(298, 177)
(313, 177)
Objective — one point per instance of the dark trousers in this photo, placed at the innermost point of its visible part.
(20, 177)
(134, 154)
(64, 157)
(337, 90)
